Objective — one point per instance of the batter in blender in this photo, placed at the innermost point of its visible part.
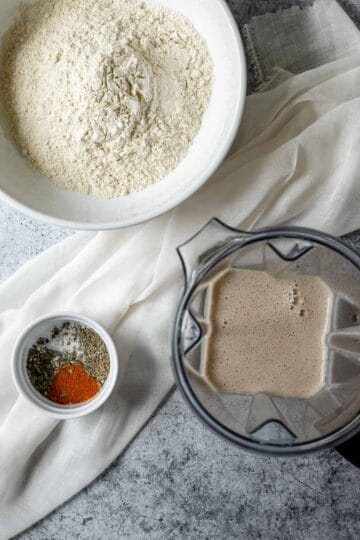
(267, 333)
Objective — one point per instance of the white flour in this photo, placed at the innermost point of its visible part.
(104, 96)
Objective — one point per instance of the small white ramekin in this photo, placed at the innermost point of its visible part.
(41, 328)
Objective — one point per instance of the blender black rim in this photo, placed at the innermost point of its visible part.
(332, 439)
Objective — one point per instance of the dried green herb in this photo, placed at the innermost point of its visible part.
(96, 358)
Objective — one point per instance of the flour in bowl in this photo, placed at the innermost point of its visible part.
(104, 96)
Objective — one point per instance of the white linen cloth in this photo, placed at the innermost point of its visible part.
(296, 160)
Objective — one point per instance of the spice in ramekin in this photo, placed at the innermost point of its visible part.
(70, 366)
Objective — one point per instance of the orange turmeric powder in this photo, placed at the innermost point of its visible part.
(72, 384)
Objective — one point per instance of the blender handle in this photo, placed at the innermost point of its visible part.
(350, 450)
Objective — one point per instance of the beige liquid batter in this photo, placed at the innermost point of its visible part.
(267, 333)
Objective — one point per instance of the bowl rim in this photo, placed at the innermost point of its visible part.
(32, 396)
(171, 204)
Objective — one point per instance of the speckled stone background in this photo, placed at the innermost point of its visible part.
(178, 480)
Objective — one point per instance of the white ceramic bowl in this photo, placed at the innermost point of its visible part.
(41, 328)
(36, 196)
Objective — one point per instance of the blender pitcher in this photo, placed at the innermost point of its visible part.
(261, 421)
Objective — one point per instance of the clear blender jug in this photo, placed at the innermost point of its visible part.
(263, 422)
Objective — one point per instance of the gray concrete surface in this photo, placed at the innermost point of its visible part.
(177, 480)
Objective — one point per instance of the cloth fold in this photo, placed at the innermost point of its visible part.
(296, 160)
